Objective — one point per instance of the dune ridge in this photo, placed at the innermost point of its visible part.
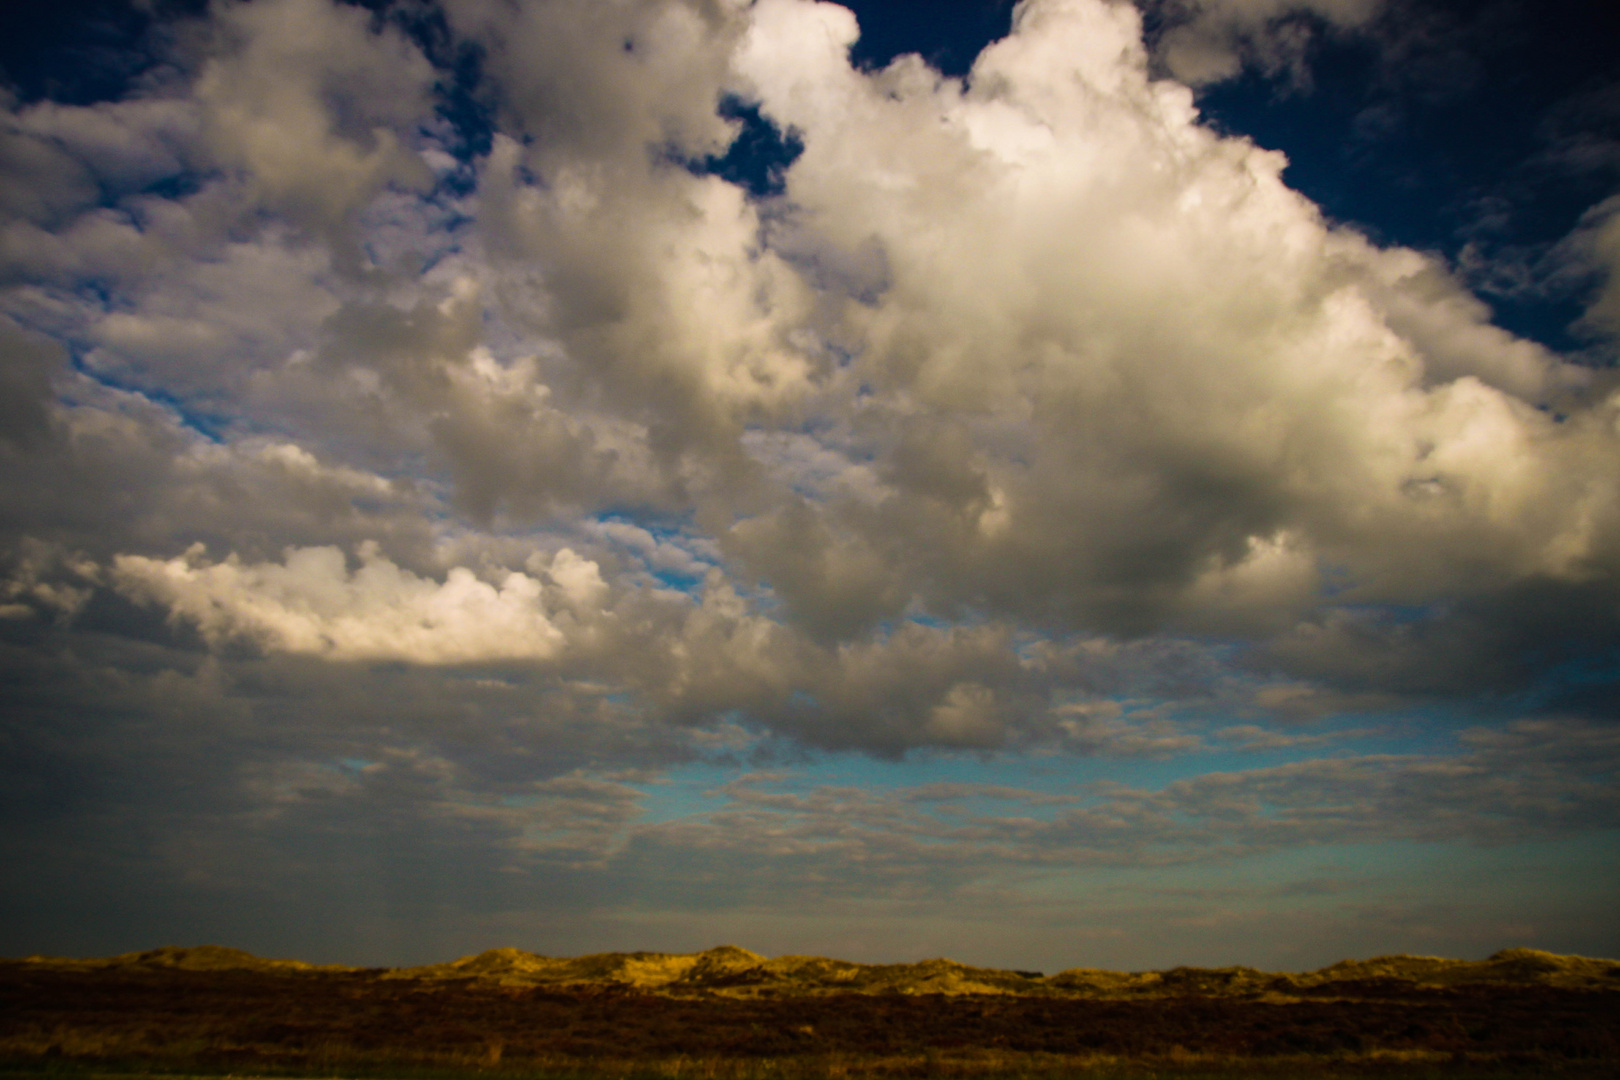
(731, 971)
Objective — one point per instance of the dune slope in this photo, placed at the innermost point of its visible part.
(732, 971)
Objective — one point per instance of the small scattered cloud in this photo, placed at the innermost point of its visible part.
(1201, 42)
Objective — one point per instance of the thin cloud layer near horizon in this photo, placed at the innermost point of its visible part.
(593, 475)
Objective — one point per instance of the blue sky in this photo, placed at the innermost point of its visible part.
(1057, 484)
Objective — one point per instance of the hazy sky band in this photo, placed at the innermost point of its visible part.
(587, 475)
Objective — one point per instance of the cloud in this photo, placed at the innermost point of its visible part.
(1115, 376)
(312, 603)
(1525, 780)
(578, 820)
(65, 158)
(1250, 738)
(1121, 376)
(1113, 380)
(408, 474)
(1206, 41)
(308, 102)
(1595, 244)
(25, 386)
(39, 581)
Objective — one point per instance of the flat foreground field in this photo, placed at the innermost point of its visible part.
(83, 1020)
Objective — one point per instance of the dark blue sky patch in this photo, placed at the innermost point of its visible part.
(949, 34)
(179, 186)
(466, 103)
(213, 426)
(758, 157)
(1448, 133)
(466, 99)
(81, 51)
(191, 414)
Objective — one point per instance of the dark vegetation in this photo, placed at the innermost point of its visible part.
(355, 1023)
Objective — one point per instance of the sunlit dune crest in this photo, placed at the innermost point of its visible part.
(736, 972)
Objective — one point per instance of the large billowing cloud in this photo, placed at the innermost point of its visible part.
(1035, 349)
(1029, 414)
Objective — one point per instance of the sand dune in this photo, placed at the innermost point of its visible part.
(735, 972)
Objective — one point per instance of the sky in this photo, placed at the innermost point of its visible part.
(1061, 484)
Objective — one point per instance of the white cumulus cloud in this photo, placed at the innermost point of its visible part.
(313, 603)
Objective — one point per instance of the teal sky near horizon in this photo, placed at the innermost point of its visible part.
(1066, 483)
